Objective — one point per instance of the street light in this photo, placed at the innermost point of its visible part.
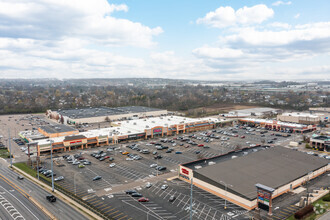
(226, 185)
(51, 162)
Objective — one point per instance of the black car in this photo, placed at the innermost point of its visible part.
(161, 168)
(51, 198)
(197, 152)
(97, 178)
(101, 159)
(172, 198)
(158, 157)
(130, 192)
(136, 195)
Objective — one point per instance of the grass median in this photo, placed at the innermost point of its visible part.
(322, 202)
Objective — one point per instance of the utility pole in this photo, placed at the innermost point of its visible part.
(191, 197)
(51, 162)
(9, 144)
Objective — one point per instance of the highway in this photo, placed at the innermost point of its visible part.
(59, 209)
(14, 204)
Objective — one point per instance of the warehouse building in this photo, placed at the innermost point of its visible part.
(103, 114)
(233, 176)
(57, 130)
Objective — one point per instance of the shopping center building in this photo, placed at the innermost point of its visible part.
(233, 176)
(121, 131)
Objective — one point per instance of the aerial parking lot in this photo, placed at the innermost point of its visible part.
(93, 174)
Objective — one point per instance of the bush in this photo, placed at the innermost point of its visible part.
(308, 147)
(304, 211)
(326, 198)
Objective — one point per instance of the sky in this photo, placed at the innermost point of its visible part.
(186, 39)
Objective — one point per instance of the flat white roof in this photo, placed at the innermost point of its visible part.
(259, 120)
(300, 114)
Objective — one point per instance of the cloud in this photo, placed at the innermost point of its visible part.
(226, 16)
(217, 52)
(297, 16)
(280, 25)
(84, 19)
(278, 3)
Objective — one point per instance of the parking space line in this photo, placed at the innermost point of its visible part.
(117, 215)
(122, 217)
(109, 210)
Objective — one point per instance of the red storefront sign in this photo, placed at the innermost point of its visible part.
(74, 142)
(184, 171)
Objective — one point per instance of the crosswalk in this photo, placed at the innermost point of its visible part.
(12, 211)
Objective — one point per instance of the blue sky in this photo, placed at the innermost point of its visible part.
(213, 40)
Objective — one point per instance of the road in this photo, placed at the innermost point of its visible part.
(59, 209)
(14, 205)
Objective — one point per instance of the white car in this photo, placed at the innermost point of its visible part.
(59, 178)
(129, 158)
(112, 165)
(148, 185)
(153, 165)
(164, 187)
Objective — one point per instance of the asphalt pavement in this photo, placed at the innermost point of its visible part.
(14, 205)
(59, 209)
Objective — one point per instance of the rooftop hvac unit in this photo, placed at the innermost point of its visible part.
(198, 167)
(153, 122)
(129, 132)
(211, 163)
(147, 126)
(134, 123)
(233, 157)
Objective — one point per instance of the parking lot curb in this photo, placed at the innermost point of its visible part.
(88, 214)
(172, 178)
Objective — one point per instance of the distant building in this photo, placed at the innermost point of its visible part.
(300, 118)
(102, 114)
(258, 112)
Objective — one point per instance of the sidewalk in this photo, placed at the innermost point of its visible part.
(137, 183)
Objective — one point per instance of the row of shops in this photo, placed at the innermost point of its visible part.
(121, 134)
(278, 125)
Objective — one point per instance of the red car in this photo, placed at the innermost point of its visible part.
(201, 145)
(143, 199)
(242, 136)
(106, 157)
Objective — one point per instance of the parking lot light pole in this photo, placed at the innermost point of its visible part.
(226, 185)
(9, 144)
(51, 162)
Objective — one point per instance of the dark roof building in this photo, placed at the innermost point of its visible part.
(276, 167)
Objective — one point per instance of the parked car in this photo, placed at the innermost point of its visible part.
(148, 185)
(163, 187)
(97, 178)
(136, 195)
(87, 163)
(81, 166)
(130, 192)
(112, 165)
(178, 152)
(59, 178)
(172, 198)
(153, 165)
(20, 177)
(143, 199)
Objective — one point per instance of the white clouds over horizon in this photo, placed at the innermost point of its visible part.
(93, 38)
(226, 16)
